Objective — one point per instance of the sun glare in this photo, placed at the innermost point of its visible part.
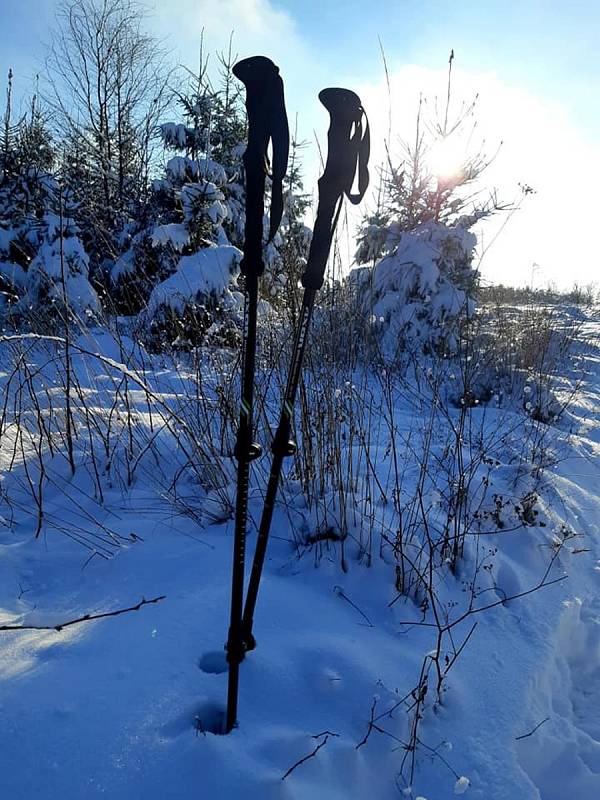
(446, 158)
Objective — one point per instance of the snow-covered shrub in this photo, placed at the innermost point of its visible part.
(181, 268)
(56, 282)
(25, 196)
(195, 205)
(195, 218)
(43, 266)
(197, 301)
(12, 282)
(147, 261)
(520, 351)
(415, 296)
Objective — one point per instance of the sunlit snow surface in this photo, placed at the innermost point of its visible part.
(116, 708)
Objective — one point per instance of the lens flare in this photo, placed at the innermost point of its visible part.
(446, 158)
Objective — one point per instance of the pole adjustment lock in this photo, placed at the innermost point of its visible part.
(254, 450)
(285, 448)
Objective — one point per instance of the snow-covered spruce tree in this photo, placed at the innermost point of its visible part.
(43, 266)
(420, 280)
(25, 153)
(17, 207)
(415, 296)
(181, 269)
(57, 286)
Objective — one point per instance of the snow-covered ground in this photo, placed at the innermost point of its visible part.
(117, 708)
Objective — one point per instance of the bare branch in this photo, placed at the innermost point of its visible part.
(310, 755)
(85, 618)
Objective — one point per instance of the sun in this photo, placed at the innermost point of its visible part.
(446, 158)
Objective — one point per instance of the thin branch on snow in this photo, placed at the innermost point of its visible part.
(84, 618)
(340, 593)
(312, 754)
(371, 725)
(537, 727)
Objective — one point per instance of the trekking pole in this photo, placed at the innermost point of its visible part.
(267, 121)
(347, 155)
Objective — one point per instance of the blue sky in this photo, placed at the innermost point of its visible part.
(549, 47)
(535, 65)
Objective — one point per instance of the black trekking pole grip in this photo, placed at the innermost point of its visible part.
(267, 122)
(348, 146)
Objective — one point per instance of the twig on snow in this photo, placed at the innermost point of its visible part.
(340, 593)
(84, 618)
(537, 727)
(327, 734)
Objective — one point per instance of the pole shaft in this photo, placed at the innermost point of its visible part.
(235, 645)
(280, 445)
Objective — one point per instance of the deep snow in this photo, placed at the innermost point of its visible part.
(116, 708)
